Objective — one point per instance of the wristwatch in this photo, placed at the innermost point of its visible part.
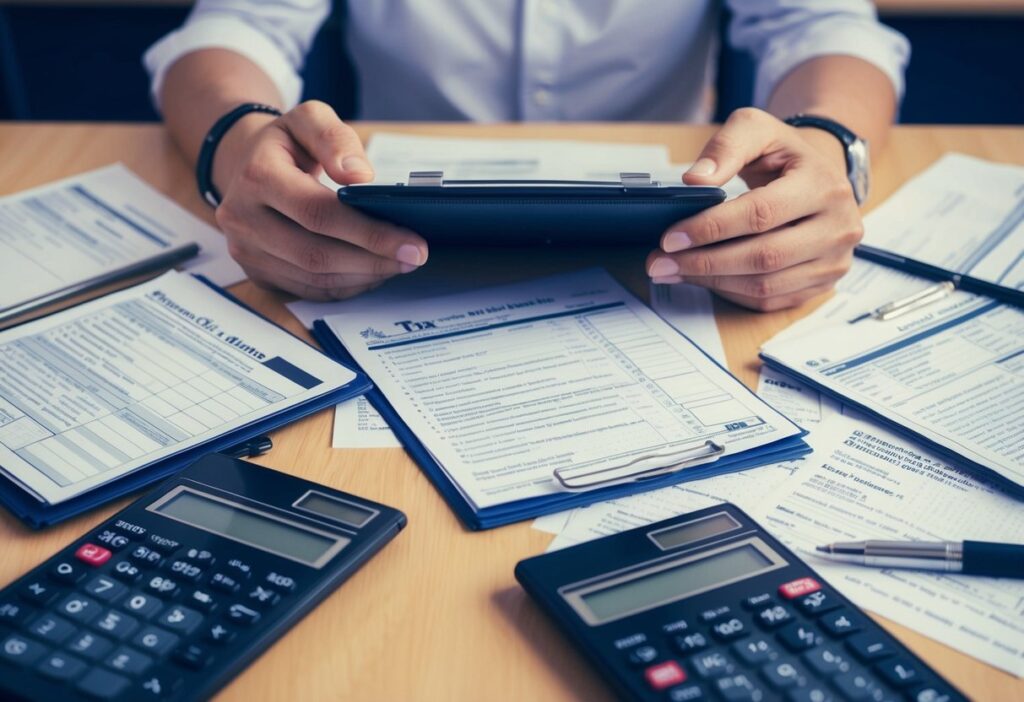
(857, 162)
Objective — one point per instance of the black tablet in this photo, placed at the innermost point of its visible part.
(633, 210)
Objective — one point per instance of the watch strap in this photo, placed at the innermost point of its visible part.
(204, 164)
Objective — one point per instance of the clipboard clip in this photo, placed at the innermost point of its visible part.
(584, 478)
(908, 304)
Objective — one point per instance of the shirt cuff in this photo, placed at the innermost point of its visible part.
(875, 43)
(232, 34)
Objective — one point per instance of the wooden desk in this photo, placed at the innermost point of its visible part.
(438, 615)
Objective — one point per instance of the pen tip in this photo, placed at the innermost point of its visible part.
(823, 549)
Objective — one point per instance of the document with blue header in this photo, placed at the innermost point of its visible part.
(508, 388)
(97, 392)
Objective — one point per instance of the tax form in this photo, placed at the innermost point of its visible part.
(80, 228)
(864, 482)
(507, 384)
(97, 391)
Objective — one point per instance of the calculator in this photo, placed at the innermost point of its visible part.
(175, 594)
(708, 606)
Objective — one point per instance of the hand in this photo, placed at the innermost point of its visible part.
(787, 240)
(285, 228)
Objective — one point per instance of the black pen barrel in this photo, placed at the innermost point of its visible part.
(993, 560)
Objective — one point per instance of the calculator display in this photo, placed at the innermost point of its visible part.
(664, 583)
(249, 526)
(333, 508)
(698, 529)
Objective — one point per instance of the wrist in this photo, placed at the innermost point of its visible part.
(827, 145)
(233, 147)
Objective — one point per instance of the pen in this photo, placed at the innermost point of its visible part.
(968, 557)
(927, 270)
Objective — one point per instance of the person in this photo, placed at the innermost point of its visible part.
(785, 241)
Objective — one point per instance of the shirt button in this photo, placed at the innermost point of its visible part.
(542, 97)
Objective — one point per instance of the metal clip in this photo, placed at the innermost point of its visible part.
(636, 180)
(584, 478)
(429, 178)
(908, 304)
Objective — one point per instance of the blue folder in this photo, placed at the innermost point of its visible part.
(518, 510)
(38, 514)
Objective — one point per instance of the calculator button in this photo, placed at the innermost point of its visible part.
(146, 556)
(112, 539)
(811, 693)
(799, 588)
(182, 619)
(286, 583)
(898, 672)
(712, 664)
(128, 660)
(93, 555)
(239, 568)
(200, 556)
(201, 599)
(219, 634)
(855, 685)
(103, 588)
(841, 622)
(754, 651)
(89, 645)
(154, 640)
(21, 651)
(262, 597)
(156, 687)
(739, 688)
(141, 604)
(798, 637)
(730, 629)
(14, 613)
(117, 624)
(162, 543)
(103, 684)
(67, 572)
(192, 656)
(161, 587)
(61, 666)
(758, 601)
(686, 693)
(664, 675)
(774, 616)
(126, 571)
(826, 661)
(240, 614)
(224, 583)
(185, 570)
(643, 655)
(782, 674)
(39, 592)
(80, 608)
(930, 693)
(817, 603)
(50, 628)
(870, 646)
(691, 643)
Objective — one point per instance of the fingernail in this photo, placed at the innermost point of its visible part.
(663, 267)
(677, 241)
(703, 167)
(355, 164)
(668, 280)
(408, 253)
(408, 268)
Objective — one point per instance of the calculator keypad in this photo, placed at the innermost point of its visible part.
(799, 643)
(130, 612)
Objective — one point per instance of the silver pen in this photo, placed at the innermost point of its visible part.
(967, 557)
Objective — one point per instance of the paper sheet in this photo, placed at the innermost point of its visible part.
(505, 384)
(99, 390)
(82, 227)
(864, 482)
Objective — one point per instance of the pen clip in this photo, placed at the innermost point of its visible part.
(905, 305)
(586, 478)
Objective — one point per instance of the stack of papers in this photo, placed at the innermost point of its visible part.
(495, 390)
(102, 398)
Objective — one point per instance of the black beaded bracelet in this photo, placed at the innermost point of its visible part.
(204, 165)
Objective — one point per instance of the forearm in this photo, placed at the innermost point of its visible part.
(201, 87)
(844, 88)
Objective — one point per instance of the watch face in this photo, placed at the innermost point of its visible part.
(859, 169)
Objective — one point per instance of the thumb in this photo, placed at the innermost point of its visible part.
(334, 144)
(743, 138)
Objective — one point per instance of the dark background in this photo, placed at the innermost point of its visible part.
(84, 63)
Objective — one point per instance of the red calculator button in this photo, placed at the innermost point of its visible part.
(92, 554)
(799, 588)
(662, 675)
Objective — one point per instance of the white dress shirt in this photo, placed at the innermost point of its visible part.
(508, 60)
